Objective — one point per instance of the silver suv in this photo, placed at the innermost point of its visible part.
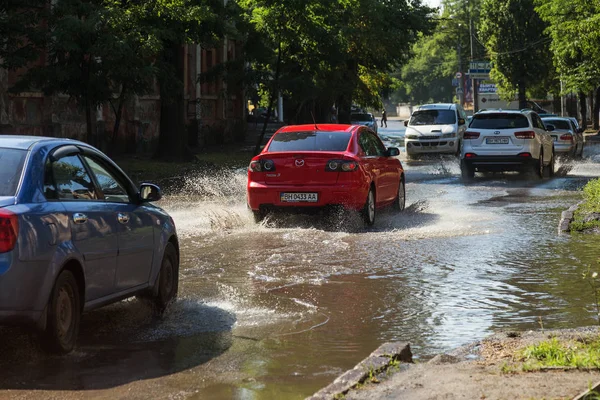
(507, 140)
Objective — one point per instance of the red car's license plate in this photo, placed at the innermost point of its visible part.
(299, 197)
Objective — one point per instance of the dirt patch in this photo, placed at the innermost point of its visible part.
(489, 369)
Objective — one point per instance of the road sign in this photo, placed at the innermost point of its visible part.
(458, 75)
(455, 82)
(479, 69)
(459, 90)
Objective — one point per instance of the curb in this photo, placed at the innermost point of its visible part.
(565, 219)
(588, 394)
(378, 361)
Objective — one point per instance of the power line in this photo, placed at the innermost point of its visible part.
(530, 45)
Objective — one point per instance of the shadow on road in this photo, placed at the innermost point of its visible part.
(117, 345)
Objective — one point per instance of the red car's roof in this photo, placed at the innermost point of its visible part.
(320, 127)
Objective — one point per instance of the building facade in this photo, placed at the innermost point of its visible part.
(215, 111)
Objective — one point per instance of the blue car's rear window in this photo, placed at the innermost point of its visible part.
(310, 141)
(11, 167)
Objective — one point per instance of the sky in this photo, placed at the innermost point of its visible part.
(432, 3)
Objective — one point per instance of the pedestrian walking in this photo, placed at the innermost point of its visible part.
(383, 118)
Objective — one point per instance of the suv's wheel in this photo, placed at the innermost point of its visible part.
(467, 172)
(63, 315)
(368, 212)
(168, 279)
(550, 168)
(400, 201)
(539, 167)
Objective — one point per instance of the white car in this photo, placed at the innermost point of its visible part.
(567, 139)
(366, 119)
(435, 128)
(507, 140)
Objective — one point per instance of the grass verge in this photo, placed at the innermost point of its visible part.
(591, 204)
(554, 353)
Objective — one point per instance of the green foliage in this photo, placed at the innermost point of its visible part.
(593, 280)
(574, 26)
(331, 49)
(591, 204)
(435, 60)
(513, 34)
(555, 353)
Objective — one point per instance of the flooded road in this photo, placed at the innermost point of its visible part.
(277, 311)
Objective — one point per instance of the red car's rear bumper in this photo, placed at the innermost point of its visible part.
(351, 196)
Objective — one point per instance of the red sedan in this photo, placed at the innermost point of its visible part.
(309, 166)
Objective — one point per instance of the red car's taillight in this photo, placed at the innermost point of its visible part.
(341, 166)
(525, 135)
(9, 230)
(471, 135)
(567, 136)
(262, 166)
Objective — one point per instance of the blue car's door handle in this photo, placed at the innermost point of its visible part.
(123, 218)
(80, 218)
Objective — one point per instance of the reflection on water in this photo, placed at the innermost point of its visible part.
(461, 262)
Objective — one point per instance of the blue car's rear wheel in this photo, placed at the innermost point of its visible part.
(63, 315)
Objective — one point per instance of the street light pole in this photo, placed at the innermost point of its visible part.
(474, 85)
(461, 79)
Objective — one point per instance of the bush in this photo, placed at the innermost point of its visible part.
(591, 195)
(590, 205)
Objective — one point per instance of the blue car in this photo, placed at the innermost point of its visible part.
(77, 234)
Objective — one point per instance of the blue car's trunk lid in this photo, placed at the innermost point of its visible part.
(7, 201)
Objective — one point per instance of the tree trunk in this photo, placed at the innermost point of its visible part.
(596, 116)
(112, 146)
(88, 122)
(522, 95)
(172, 140)
(583, 109)
(274, 92)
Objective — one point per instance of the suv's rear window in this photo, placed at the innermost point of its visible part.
(499, 121)
(12, 161)
(310, 141)
(361, 117)
(433, 117)
(558, 123)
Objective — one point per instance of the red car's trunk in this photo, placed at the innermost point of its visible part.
(302, 168)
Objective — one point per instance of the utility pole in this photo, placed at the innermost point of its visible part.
(461, 95)
(474, 83)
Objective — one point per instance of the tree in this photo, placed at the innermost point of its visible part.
(574, 27)
(173, 23)
(332, 51)
(513, 34)
(96, 48)
(427, 77)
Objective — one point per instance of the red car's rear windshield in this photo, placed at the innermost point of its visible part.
(499, 121)
(12, 161)
(310, 141)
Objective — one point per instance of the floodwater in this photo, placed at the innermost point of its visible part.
(279, 310)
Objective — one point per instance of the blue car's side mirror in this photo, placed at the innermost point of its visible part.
(149, 192)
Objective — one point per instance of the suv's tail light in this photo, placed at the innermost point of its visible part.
(567, 136)
(9, 230)
(341, 166)
(261, 166)
(471, 135)
(525, 135)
